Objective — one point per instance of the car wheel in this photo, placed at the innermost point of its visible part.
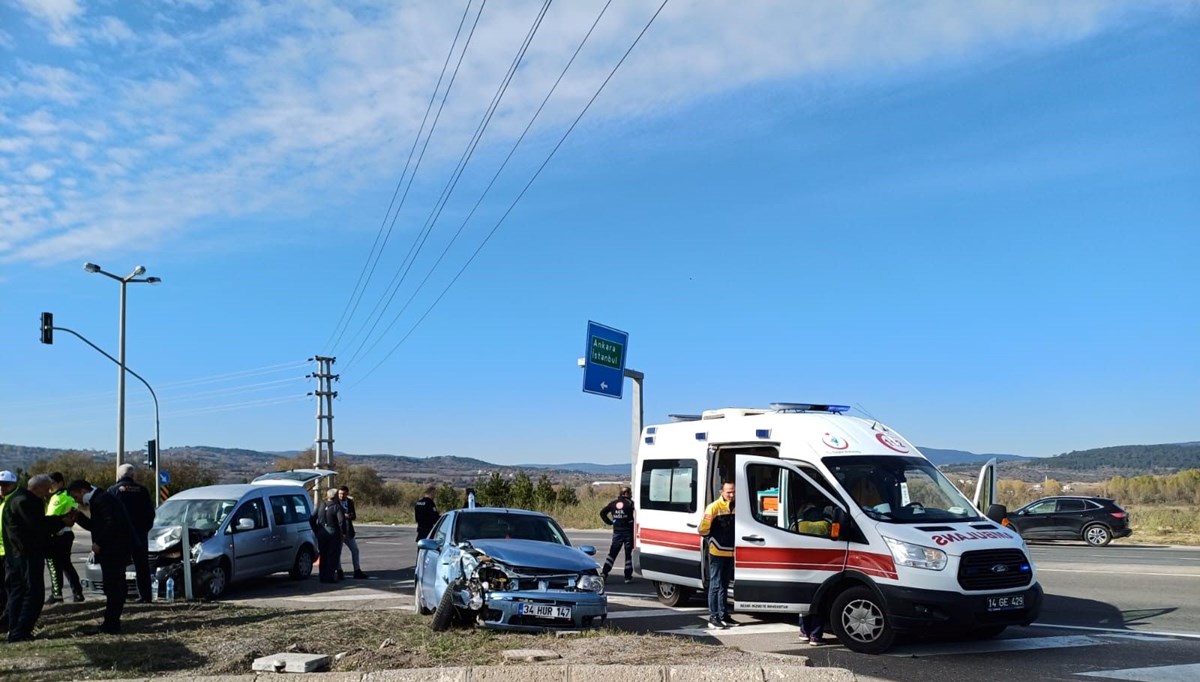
(1097, 535)
(217, 581)
(419, 607)
(672, 595)
(302, 567)
(443, 616)
(860, 621)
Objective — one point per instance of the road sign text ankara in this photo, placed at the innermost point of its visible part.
(608, 353)
(604, 360)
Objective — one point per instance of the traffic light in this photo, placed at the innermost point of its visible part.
(151, 452)
(47, 328)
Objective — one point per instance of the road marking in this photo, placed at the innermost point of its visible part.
(634, 600)
(1165, 673)
(653, 613)
(995, 645)
(757, 629)
(322, 598)
(1121, 570)
(1118, 631)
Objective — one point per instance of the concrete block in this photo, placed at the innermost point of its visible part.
(291, 663)
(519, 673)
(419, 675)
(724, 673)
(529, 655)
(783, 673)
(616, 673)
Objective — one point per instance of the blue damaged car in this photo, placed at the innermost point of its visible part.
(507, 569)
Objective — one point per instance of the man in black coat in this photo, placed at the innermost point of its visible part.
(619, 515)
(112, 538)
(26, 533)
(139, 506)
(426, 513)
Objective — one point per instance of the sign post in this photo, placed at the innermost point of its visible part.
(604, 360)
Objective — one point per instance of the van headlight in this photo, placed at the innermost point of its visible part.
(590, 583)
(916, 556)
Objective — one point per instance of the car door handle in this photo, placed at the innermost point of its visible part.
(692, 525)
(752, 538)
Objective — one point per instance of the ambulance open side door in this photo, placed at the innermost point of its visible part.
(786, 543)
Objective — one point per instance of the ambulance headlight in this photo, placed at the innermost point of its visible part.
(590, 583)
(916, 556)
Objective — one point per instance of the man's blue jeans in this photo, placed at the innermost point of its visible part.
(720, 573)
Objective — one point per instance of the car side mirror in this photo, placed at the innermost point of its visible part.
(588, 550)
(428, 544)
(245, 524)
(997, 513)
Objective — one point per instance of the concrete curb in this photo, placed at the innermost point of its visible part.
(552, 673)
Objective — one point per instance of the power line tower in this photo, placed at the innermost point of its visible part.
(323, 450)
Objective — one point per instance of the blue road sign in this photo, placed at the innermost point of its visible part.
(164, 477)
(604, 360)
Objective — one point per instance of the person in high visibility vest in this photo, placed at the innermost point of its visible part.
(717, 526)
(59, 556)
(8, 483)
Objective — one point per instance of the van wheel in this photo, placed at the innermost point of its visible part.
(672, 595)
(1097, 535)
(302, 567)
(860, 621)
(443, 616)
(217, 581)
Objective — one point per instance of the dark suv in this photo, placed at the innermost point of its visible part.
(1095, 520)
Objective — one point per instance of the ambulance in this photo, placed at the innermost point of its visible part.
(896, 546)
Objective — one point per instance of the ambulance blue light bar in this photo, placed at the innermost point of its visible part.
(762, 433)
(809, 407)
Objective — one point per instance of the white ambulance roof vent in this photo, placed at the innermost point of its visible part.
(809, 407)
(684, 417)
(732, 412)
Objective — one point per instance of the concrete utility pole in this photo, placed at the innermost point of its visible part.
(325, 394)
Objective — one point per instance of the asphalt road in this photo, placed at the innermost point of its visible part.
(1126, 611)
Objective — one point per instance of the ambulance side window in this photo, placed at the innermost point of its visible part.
(784, 499)
(669, 485)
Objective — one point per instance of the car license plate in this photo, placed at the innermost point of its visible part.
(543, 610)
(1010, 602)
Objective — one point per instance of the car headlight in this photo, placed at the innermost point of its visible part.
(916, 556)
(590, 583)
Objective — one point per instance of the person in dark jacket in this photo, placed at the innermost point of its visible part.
(329, 522)
(60, 505)
(348, 533)
(8, 483)
(426, 512)
(26, 532)
(112, 540)
(139, 507)
(619, 515)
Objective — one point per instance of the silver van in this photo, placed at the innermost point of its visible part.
(235, 532)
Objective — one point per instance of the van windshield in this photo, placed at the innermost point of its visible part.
(900, 489)
(198, 514)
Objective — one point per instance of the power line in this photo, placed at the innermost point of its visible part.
(428, 137)
(356, 295)
(448, 189)
(519, 196)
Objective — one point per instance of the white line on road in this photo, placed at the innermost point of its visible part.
(1117, 631)
(1162, 673)
(1118, 570)
(995, 645)
(652, 613)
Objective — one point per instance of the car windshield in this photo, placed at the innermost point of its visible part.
(504, 525)
(900, 489)
(197, 514)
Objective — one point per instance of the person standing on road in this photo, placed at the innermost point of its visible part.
(139, 507)
(330, 520)
(717, 526)
(8, 483)
(348, 532)
(59, 558)
(26, 532)
(426, 513)
(619, 515)
(112, 542)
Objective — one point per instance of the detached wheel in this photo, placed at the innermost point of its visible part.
(443, 616)
(1097, 535)
(672, 595)
(860, 621)
(303, 565)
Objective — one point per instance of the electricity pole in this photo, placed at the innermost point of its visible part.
(323, 450)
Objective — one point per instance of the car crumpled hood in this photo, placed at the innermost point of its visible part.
(536, 554)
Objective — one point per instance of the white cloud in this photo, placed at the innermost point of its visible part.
(39, 172)
(210, 109)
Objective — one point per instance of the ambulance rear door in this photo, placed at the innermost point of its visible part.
(786, 541)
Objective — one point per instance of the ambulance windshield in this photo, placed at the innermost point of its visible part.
(900, 489)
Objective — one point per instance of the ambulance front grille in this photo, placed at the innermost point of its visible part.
(994, 569)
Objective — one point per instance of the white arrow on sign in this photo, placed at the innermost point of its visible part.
(603, 386)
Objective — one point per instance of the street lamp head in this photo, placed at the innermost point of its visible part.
(139, 270)
(91, 267)
(153, 280)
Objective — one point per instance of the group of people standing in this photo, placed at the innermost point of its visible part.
(333, 523)
(36, 523)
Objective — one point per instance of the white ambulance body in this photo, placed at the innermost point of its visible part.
(900, 548)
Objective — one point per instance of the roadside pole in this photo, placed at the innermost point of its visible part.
(604, 374)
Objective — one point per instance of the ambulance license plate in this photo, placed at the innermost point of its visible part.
(543, 610)
(1011, 602)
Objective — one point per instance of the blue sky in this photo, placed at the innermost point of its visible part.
(977, 221)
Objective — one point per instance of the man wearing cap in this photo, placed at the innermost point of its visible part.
(8, 483)
(139, 507)
(112, 537)
(26, 532)
(60, 505)
(619, 515)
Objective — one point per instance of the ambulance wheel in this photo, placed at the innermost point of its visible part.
(443, 616)
(1097, 535)
(860, 622)
(672, 595)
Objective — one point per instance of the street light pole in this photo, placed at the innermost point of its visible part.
(124, 281)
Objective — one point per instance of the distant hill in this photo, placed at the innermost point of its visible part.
(1099, 464)
(942, 457)
(585, 467)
